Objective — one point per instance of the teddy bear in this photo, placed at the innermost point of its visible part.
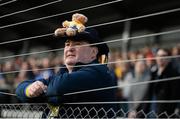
(71, 28)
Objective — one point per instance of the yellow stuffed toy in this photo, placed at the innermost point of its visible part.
(71, 28)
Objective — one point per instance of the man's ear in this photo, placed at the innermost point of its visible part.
(95, 51)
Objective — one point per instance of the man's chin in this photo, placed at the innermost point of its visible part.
(70, 63)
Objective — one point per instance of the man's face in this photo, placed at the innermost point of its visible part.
(74, 52)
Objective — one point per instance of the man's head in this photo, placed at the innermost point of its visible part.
(79, 48)
(79, 51)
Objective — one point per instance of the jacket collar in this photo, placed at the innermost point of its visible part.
(78, 66)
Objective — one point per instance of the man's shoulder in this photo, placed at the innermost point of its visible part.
(98, 67)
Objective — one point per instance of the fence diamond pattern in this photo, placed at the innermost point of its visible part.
(42, 111)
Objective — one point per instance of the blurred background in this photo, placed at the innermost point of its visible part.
(140, 27)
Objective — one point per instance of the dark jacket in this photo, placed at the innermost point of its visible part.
(167, 90)
(81, 79)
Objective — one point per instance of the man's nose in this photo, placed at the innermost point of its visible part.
(71, 48)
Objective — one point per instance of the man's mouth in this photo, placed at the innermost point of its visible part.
(70, 55)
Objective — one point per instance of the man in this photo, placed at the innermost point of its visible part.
(83, 72)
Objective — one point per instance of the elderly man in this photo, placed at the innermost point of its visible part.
(83, 72)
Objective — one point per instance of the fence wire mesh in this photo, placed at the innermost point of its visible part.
(72, 111)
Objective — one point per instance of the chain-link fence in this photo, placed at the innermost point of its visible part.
(66, 111)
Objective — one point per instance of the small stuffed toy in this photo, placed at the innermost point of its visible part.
(71, 28)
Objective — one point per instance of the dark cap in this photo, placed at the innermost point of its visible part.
(91, 35)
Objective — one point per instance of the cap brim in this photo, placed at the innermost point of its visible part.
(84, 36)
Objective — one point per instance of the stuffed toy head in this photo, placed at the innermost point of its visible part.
(71, 28)
(80, 18)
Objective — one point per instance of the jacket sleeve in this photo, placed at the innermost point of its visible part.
(21, 90)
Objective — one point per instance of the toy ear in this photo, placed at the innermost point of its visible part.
(74, 16)
(85, 19)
